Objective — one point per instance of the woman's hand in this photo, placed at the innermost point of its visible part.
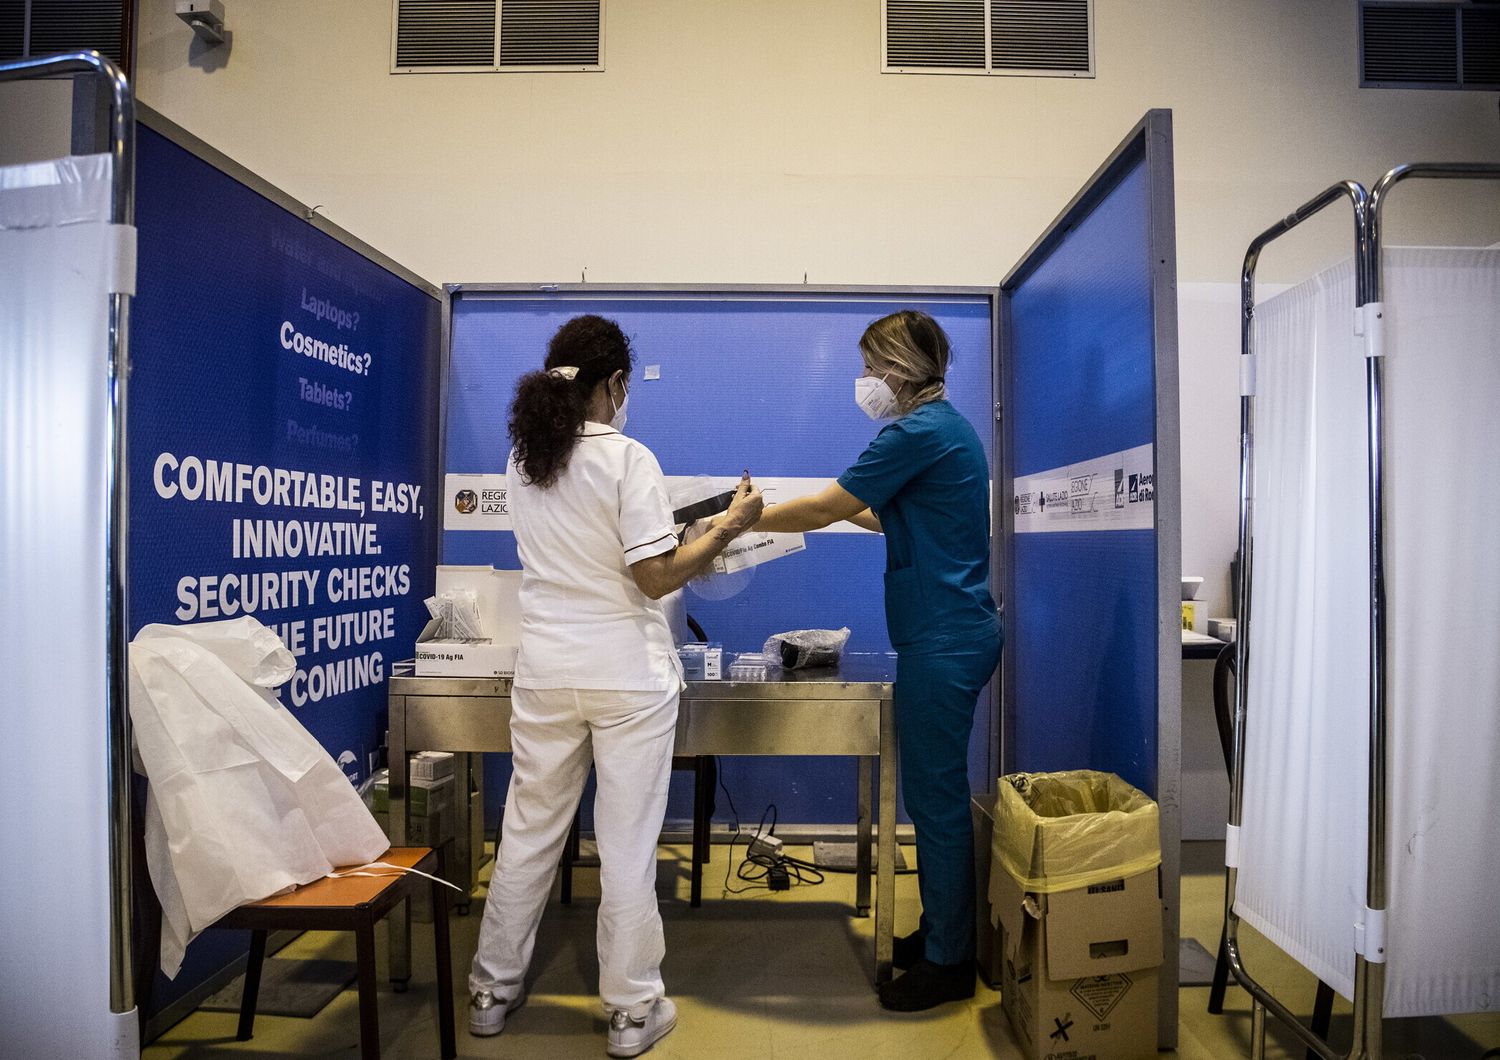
(660, 575)
(744, 511)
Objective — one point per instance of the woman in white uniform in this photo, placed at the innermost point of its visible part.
(597, 677)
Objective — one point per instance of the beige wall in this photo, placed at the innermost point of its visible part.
(36, 120)
(740, 141)
(755, 141)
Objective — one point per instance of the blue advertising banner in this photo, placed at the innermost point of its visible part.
(283, 446)
(726, 381)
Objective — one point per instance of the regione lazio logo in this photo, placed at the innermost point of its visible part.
(465, 501)
(493, 502)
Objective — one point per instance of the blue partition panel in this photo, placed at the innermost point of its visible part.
(233, 291)
(757, 381)
(1083, 639)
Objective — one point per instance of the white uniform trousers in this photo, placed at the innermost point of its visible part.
(554, 735)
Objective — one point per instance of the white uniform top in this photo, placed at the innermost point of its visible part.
(584, 622)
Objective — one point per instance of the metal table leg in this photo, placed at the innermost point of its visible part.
(463, 831)
(885, 869)
(862, 840)
(398, 922)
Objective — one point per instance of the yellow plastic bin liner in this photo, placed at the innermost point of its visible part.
(1057, 831)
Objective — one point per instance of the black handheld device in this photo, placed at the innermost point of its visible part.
(704, 508)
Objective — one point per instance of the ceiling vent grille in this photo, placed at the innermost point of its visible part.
(935, 34)
(1411, 44)
(1040, 38)
(549, 33)
(1050, 36)
(1481, 47)
(46, 27)
(1431, 45)
(445, 34)
(12, 29)
(488, 36)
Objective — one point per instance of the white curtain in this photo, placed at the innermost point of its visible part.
(1443, 419)
(59, 261)
(1302, 878)
(1302, 832)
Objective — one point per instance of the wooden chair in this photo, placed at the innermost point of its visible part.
(354, 904)
(1224, 681)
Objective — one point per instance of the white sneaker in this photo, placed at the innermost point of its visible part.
(487, 1013)
(632, 1037)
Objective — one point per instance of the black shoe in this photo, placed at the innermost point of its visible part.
(928, 985)
(906, 952)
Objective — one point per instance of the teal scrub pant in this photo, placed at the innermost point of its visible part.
(936, 690)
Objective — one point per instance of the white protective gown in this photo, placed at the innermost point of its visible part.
(243, 802)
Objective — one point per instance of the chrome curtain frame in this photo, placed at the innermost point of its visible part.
(1369, 969)
(1264, 1000)
(111, 83)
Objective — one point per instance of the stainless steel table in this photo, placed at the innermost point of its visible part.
(847, 711)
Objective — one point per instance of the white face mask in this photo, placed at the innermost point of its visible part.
(617, 421)
(875, 396)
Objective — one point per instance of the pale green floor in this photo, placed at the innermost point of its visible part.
(765, 977)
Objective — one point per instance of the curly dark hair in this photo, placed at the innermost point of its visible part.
(549, 409)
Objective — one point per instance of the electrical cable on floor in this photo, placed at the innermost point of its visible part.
(734, 838)
(762, 870)
(798, 869)
(850, 871)
(772, 865)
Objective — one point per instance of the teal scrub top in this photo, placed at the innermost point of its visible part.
(926, 478)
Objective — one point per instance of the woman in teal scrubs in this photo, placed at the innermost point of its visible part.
(924, 483)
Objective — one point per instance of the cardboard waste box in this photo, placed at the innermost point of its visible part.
(1074, 886)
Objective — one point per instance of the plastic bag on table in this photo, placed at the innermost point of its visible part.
(1058, 831)
(804, 648)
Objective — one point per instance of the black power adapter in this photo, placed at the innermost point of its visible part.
(777, 878)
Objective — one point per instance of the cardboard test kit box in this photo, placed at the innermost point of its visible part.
(1074, 888)
(498, 593)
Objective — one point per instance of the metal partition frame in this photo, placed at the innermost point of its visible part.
(1149, 143)
(742, 291)
(1369, 967)
(115, 91)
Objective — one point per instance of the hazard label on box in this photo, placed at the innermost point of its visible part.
(1101, 993)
